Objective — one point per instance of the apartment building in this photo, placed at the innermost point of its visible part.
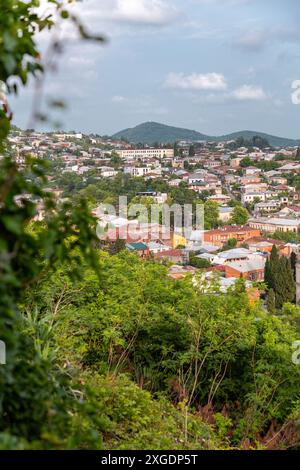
(221, 235)
(146, 153)
(274, 224)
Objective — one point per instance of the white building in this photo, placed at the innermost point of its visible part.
(249, 198)
(147, 153)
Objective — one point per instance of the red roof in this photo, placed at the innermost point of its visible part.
(166, 253)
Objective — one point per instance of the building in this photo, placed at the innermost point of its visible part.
(251, 270)
(139, 248)
(137, 171)
(274, 224)
(174, 256)
(270, 206)
(249, 198)
(146, 153)
(221, 235)
(225, 213)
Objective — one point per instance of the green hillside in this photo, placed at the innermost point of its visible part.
(150, 132)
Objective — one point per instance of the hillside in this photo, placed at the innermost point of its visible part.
(150, 132)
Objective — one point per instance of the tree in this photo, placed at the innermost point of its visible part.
(271, 302)
(231, 243)
(198, 262)
(279, 277)
(191, 151)
(240, 216)
(115, 160)
(293, 263)
(211, 214)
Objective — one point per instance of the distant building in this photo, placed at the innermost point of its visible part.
(139, 248)
(225, 213)
(221, 235)
(249, 198)
(145, 153)
(251, 270)
(274, 224)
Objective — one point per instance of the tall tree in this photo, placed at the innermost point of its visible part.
(293, 263)
(271, 302)
(279, 277)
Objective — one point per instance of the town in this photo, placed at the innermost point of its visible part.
(249, 189)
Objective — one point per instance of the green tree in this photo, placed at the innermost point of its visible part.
(240, 216)
(279, 277)
(231, 243)
(271, 302)
(211, 214)
(293, 263)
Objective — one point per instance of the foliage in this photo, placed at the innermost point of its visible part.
(211, 214)
(279, 277)
(271, 302)
(239, 216)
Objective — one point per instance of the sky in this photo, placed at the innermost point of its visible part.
(216, 66)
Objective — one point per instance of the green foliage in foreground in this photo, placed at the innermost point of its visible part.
(194, 358)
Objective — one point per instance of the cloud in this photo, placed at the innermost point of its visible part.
(143, 12)
(249, 93)
(257, 38)
(223, 2)
(253, 40)
(209, 81)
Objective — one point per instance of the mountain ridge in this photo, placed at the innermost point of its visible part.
(151, 132)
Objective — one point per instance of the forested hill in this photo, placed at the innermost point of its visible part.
(151, 132)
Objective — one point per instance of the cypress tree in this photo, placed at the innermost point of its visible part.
(293, 263)
(271, 302)
(290, 285)
(267, 274)
(279, 277)
(284, 284)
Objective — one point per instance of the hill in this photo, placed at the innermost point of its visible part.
(150, 132)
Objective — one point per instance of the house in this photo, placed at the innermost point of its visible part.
(220, 198)
(249, 198)
(179, 272)
(225, 213)
(139, 248)
(278, 180)
(264, 245)
(157, 246)
(289, 211)
(252, 170)
(235, 162)
(270, 206)
(175, 256)
(244, 180)
(296, 196)
(229, 256)
(251, 270)
(254, 188)
(174, 183)
(221, 235)
(294, 167)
